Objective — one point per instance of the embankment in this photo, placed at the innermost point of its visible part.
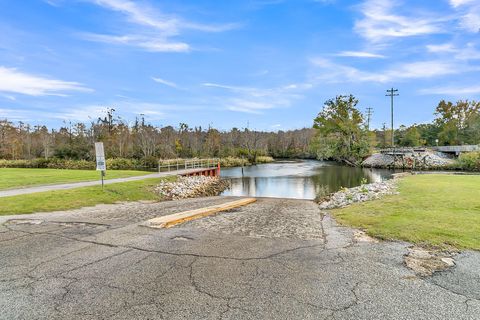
(423, 160)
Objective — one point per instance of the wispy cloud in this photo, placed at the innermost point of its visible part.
(17, 82)
(257, 100)
(165, 82)
(16, 114)
(469, 11)
(127, 109)
(452, 90)
(359, 54)
(458, 3)
(154, 30)
(334, 72)
(155, 44)
(468, 51)
(445, 47)
(380, 22)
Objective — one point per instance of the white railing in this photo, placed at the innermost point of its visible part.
(185, 164)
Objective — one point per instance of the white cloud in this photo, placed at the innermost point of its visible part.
(126, 109)
(359, 54)
(15, 114)
(165, 82)
(154, 30)
(150, 16)
(334, 72)
(8, 97)
(380, 21)
(140, 41)
(469, 11)
(141, 15)
(453, 90)
(446, 47)
(424, 69)
(14, 81)
(79, 113)
(469, 52)
(249, 106)
(458, 3)
(465, 52)
(471, 20)
(257, 100)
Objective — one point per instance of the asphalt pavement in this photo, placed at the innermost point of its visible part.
(273, 259)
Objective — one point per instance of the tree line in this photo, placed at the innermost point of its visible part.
(339, 133)
(147, 142)
(343, 135)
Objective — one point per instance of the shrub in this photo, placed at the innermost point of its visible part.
(264, 159)
(51, 163)
(233, 162)
(469, 161)
(122, 164)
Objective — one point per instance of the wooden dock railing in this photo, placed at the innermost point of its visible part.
(185, 164)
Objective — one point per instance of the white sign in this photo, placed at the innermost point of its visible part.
(100, 155)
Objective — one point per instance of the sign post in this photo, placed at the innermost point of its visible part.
(101, 163)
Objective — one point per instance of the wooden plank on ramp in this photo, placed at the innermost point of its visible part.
(176, 218)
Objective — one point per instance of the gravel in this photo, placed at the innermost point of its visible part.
(365, 192)
(191, 187)
(410, 160)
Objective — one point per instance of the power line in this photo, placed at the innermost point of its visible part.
(369, 117)
(392, 93)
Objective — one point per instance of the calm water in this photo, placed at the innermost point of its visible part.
(303, 179)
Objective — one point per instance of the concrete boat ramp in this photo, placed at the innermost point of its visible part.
(271, 259)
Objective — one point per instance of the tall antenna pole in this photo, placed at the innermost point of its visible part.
(369, 116)
(392, 93)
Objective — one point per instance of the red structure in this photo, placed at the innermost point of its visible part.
(209, 172)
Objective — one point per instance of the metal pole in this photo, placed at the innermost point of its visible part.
(392, 93)
(102, 174)
(369, 117)
(391, 107)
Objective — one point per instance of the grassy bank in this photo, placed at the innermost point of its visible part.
(81, 197)
(21, 177)
(438, 210)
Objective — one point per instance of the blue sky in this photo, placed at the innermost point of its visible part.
(268, 64)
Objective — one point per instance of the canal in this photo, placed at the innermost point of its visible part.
(299, 179)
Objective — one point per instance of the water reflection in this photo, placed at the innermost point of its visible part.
(297, 179)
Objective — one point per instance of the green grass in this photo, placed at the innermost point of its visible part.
(80, 197)
(435, 210)
(11, 178)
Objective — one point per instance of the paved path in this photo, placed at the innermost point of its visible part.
(274, 259)
(73, 185)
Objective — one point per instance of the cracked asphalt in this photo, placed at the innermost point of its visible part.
(274, 259)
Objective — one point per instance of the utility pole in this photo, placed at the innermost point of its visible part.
(384, 135)
(392, 93)
(369, 117)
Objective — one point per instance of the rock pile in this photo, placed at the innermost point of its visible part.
(362, 193)
(191, 187)
(410, 160)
